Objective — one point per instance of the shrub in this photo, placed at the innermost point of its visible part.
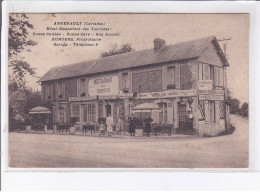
(228, 131)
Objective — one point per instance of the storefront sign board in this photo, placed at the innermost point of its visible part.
(211, 97)
(168, 94)
(205, 84)
(103, 86)
(75, 99)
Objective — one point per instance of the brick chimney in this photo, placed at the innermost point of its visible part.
(159, 44)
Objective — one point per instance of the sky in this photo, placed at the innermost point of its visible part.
(140, 30)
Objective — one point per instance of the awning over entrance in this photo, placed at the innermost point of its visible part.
(146, 107)
(40, 110)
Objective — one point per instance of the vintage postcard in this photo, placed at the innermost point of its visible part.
(128, 90)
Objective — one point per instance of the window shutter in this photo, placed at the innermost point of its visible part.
(130, 81)
(177, 77)
(52, 90)
(43, 91)
(164, 78)
(86, 86)
(221, 77)
(207, 111)
(200, 71)
(217, 111)
(216, 81)
(63, 89)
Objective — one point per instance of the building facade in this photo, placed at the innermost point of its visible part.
(188, 75)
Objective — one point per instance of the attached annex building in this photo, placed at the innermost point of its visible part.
(187, 75)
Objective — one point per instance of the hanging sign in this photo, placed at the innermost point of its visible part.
(205, 84)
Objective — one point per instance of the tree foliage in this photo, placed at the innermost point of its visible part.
(18, 41)
(234, 105)
(244, 110)
(124, 48)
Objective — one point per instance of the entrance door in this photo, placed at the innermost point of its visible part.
(182, 116)
(108, 110)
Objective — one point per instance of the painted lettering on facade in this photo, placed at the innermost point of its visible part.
(103, 86)
(205, 84)
(168, 94)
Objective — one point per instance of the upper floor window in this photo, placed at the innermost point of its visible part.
(82, 87)
(171, 78)
(147, 81)
(125, 85)
(210, 72)
(48, 92)
(58, 90)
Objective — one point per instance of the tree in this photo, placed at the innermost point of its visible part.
(18, 41)
(244, 110)
(234, 105)
(124, 48)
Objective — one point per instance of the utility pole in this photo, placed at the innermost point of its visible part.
(225, 41)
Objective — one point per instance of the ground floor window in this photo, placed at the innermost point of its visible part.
(221, 109)
(75, 111)
(89, 113)
(163, 113)
(202, 110)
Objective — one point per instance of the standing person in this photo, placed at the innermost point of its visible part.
(132, 124)
(110, 123)
(169, 130)
(190, 119)
(118, 127)
(101, 128)
(147, 125)
(157, 128)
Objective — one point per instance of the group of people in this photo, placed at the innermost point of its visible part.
(109, 126)
(115, 128)
(147, 125)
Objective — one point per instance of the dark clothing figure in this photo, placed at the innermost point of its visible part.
(157, 128)
(132, 125)
(169, 130)
(189, 120)
(85, 129)
(147, 125)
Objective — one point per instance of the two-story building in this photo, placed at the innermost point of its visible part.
(187, 75)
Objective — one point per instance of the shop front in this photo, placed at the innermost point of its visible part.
(173, 106)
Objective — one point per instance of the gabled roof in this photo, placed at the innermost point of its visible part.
(175, 52)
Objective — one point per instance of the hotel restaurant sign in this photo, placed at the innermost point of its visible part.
(103, 86)
(168, 94)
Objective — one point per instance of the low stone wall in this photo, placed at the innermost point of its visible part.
(211, 129)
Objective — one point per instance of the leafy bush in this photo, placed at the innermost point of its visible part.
(228, 131)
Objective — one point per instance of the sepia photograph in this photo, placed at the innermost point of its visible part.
(128, 90)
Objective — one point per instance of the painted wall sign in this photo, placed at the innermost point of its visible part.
(205, 84)
(74, 99)
(103, 86)
(212, 92)
(211, 97)
(168, 94)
